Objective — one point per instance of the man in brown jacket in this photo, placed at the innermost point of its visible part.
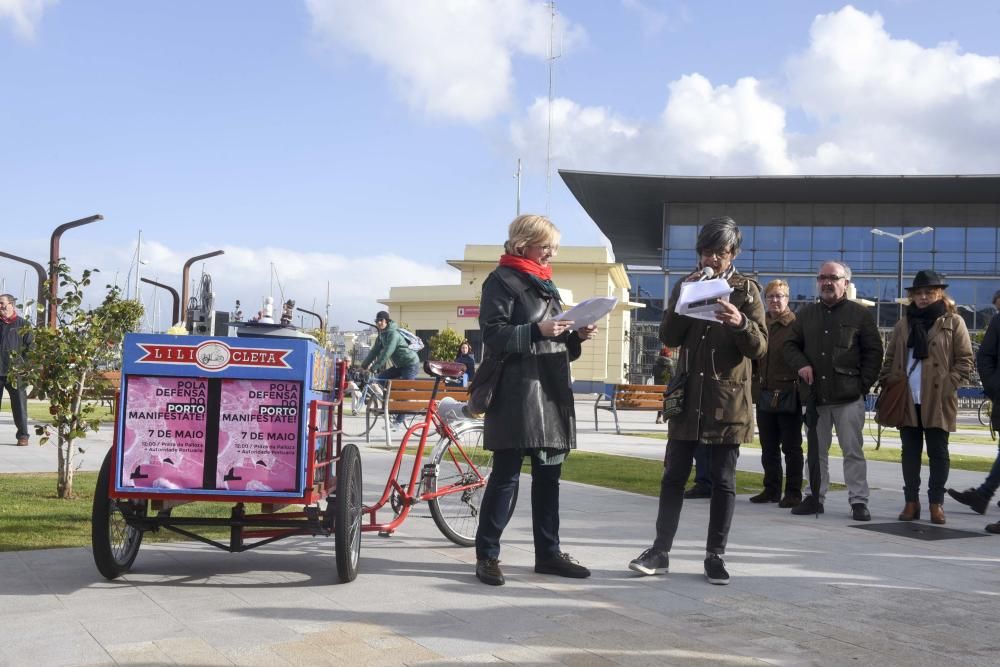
(715, 358)
(836, 349)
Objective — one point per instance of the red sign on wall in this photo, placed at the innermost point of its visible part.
(468, 311)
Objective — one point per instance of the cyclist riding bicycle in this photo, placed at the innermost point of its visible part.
(391, 346)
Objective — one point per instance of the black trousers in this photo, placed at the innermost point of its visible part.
(18, 406)
(781, 434)
(913, 438)
(496, 507)
(677, 467)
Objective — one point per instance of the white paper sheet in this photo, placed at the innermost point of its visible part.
(588, 311)
(700, 299)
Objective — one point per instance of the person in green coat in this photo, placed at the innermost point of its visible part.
(391, 346)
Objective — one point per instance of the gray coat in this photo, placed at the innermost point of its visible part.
(532, 406)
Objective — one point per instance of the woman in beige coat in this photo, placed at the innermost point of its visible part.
(931, 346)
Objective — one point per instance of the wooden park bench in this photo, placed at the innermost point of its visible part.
(105, 395)
(625, 397)
(410, 397)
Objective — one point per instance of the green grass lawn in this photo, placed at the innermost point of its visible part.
(32, 517)
(38, 411)
(889, 454)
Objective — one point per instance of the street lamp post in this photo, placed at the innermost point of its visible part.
(901, 238)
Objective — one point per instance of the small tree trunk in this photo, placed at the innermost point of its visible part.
(62, 476)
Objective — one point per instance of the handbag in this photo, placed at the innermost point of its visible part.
(778, 401)
(893, 403)
(673, 396)
(484, 384)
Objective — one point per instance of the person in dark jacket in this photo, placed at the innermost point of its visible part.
(837, 352)
(718, 411)
(391, 346)
(15, 336)
(464, 356)
(532, 412)
(931, 349)
(988, 364)
(779, 420)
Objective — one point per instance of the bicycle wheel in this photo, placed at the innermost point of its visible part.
(114, 543)
(461, 462)
(347, 514)
(358, 427)
(985, 411)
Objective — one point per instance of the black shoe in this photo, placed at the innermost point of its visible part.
(488, 572)
(715, 570)
(563, 565)
(697, 491)
(993, 528)
(650, 561)
(860, 512)
(790, 500)
(809, 505)
(765, 497)
(971, 497)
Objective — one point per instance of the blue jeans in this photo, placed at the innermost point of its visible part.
(404, 373)
(992, 483)
(495, 509)
(702, 478)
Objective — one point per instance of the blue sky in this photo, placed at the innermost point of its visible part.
(364, 143)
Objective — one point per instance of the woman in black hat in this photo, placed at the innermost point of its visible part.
(931, 347)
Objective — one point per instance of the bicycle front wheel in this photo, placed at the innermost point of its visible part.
(463, 466)
(985, 410)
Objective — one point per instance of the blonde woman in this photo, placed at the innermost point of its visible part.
(779, 418)
(931, 347)
(532, 412)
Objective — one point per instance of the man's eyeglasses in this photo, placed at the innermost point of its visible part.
(829, 278)
(716, 254)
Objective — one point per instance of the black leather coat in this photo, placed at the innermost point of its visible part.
(533, 404)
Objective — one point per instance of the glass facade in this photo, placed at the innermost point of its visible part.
(964, 245)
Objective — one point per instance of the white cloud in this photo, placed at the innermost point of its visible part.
(448, 58)
(880, 105)
(24, 15)
(356, 283)
(702, 130)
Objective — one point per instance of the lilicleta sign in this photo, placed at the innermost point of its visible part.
(212, 355)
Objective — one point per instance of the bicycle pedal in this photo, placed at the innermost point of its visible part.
(385, 533)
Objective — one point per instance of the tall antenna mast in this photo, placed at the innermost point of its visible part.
(517, 188)
(548, 148)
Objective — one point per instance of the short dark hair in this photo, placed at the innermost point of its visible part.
(720, 233)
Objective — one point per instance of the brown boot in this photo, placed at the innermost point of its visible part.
(911, 512)
(937, 513)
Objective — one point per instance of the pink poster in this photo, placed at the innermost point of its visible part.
(164, 443)
(258, 435)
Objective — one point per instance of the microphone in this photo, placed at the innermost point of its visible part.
(707, 273)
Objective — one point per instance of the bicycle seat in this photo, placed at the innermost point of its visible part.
(444, 369)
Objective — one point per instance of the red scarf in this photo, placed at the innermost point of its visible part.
(10, 320)
(527, 266)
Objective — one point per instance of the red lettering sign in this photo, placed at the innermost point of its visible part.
(212, 355)
(468, 311)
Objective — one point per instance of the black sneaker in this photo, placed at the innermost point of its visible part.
(563, 565)
(765, 497)
(488, 572)
(971, 497)
(790, 500)
(993, 528)
(715, 570)
(859, 511)
(650, 561)
(809, 505)
(697, 491)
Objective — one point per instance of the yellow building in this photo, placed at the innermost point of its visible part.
(580, 272)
